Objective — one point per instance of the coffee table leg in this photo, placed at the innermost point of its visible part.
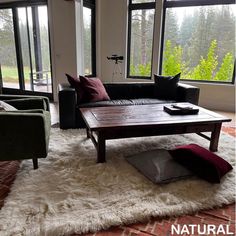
(101, 148)
(215, 138)
(87, 131)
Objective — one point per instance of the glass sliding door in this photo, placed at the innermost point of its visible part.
(8, 62)
(25, 45)
(87, 14)
(24, 49)
(35, 48)
(89, 37)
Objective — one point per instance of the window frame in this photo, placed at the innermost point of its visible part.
(19, 58)
(191, 3)
(133, 7)
(91, 4)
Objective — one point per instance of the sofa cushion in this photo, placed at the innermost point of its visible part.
(75, 83)
(166, 86)
(124, 102)
(130, 90)
(202, 162)
(94, 90)
(146, 101)
(6, 107)
(118, 102)
(158, 166)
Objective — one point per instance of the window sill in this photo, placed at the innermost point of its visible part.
(207, 83)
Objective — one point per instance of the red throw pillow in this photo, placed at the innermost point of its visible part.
(94, 89)
(75, 83)
(202, 162)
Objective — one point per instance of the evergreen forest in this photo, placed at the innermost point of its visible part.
(198, 42)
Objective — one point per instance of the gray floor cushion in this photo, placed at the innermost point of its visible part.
(158, 166)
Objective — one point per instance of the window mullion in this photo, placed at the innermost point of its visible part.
(142, 6)
(188, 3)
(18, 49)
(157, 38)
(129, 42)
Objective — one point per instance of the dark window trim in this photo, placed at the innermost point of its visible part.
(50, 57)
(26, 92)
(233, 80)
(140, 77)
(89, 3)
(1, 83)
(206, 81)
(19, 58)
(13, 7)
(22, 3)
(92, 5)
(141, 6)
(188, 3)
(131, 7)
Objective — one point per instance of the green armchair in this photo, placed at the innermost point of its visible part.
(24, 133)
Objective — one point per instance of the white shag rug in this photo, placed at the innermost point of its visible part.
(70, 193)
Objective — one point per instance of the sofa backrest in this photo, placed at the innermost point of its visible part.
(130, 90)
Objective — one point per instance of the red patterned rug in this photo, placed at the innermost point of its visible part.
(156, 226)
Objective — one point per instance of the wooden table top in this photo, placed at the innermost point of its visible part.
(144, 115)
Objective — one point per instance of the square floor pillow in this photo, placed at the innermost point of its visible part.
(202, 162)
(158, 166)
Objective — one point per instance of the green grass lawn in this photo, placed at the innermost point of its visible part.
(10, 74)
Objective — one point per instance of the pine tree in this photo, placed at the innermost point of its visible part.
(172, 63)
(7, 44)
(226, 69)
(206, 68)
(171, 27)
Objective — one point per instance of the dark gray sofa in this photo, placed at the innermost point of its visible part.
(121, 94)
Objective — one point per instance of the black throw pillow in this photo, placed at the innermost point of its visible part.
(166, 86)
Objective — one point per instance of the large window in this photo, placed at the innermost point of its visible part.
(89, 38)
(199, 39)
(140, 38)
(8, 62)
(25, 64)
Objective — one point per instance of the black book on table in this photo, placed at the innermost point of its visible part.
(178, 110)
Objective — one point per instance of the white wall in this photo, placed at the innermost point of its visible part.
(63, 40)
(111, 36)
(112, 39)
(216, 96)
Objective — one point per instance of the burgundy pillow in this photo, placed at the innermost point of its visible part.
(75, 83)
(94, 89)
(202, 162)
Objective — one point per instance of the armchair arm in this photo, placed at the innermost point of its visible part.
(30, 111)
(26, 102)
(24, 135)
(188, 93)
(67, 106)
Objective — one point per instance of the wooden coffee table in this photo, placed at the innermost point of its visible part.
(116, 122)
